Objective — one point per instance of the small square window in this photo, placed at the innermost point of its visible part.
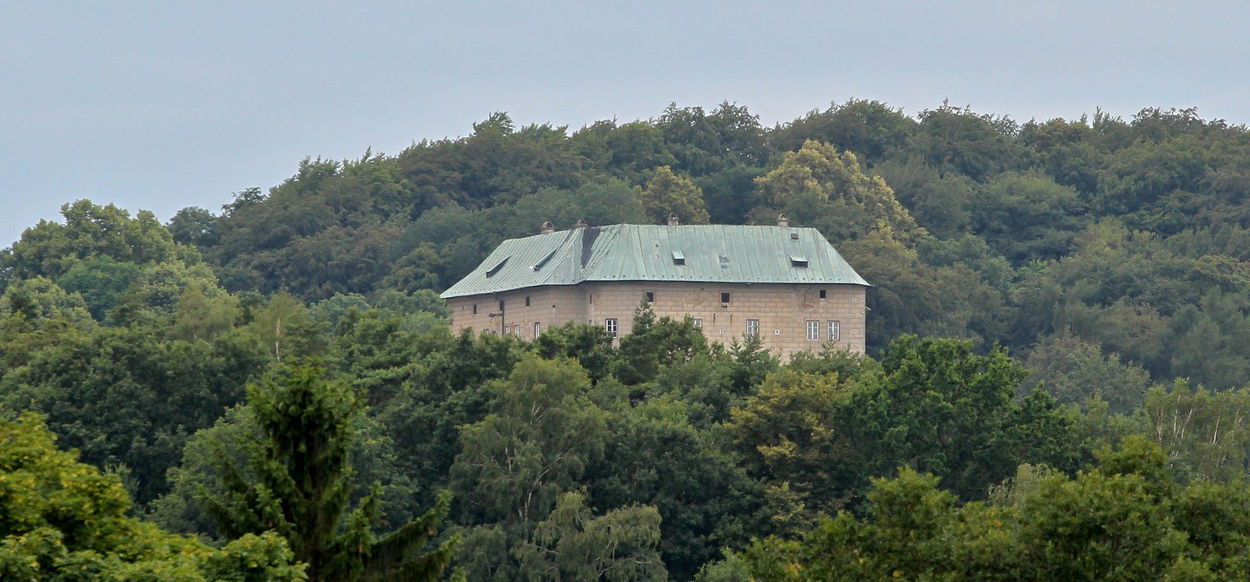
(698, 323)
(610, 324)
(650, 296)
(823, 294)
(724, 298)
(753, 327)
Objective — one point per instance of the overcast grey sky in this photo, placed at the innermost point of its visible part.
(162, 105)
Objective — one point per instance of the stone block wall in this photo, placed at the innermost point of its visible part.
(781, 310)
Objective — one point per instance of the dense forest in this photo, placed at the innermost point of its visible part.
(1057, 385)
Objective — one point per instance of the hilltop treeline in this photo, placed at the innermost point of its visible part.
(1127, 234)
(1039, 289)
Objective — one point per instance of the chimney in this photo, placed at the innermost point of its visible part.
(581, 223)
(672, 219)
(782, 220)
(546, 228)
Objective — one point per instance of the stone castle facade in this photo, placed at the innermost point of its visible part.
(788, 286)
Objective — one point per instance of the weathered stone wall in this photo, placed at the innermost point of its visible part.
(783, 310)
(547, 306)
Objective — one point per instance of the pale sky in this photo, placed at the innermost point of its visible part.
(162, 105)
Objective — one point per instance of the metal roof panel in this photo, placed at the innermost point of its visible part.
(641, 252)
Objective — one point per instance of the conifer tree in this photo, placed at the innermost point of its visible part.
(297, 482)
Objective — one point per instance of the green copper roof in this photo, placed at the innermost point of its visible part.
(641, 252)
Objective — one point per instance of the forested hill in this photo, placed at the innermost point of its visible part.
(1126, 234)
(279, 379)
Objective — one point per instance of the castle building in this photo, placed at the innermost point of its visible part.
(785, 284)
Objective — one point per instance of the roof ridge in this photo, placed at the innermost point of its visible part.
(644, 252)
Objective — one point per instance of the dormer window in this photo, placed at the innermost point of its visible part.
(679, 258)
(798, 261)
(544, 260)
(495, 269)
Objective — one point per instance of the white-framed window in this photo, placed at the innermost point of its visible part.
(753, 327)
(813, 330)
(698, 323)
(610, 324)
(835, 331)
(538, 329)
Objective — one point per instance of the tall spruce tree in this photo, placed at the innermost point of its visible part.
(297, 482)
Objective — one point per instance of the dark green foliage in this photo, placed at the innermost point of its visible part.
(295, 481)
(124, 396)
(656, 457)
(1110, 255)
(1125, 520)
(944, 409)
(590, 345)
(63, 520)
(814, 436)
(869, 128)
(655, 344)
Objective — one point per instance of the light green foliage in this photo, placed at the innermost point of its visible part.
(540, 436)
(63, 520)
(203, 316)
(792, 434)
(538, 441)
(1206, 435)
(573, 544)
(156, 290)
(284, 326)
(731, 569)
(50, 249)
(827, 189)
(296, 481)
(667, 193)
